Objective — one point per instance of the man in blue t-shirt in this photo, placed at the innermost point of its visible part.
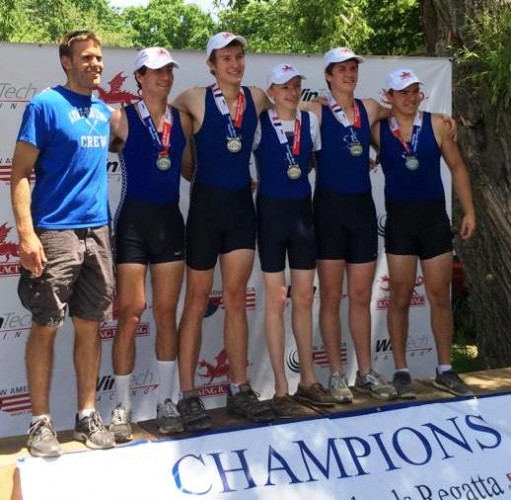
(64, 241)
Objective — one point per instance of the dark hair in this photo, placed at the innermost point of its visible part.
(330, 67)
(140, 71)
(67, 41)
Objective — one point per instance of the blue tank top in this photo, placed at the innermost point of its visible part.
(216, 166)
(337, 169)
(403, 185)
(272, 164)
(142, 179)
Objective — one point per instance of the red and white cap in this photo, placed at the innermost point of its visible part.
(154, 58)
(400, 78)
(221, 40)
(339, 55)
(282, 73)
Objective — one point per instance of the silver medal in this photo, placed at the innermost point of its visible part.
(356, 149)
(412, 163)
(163, 162)
(294, 172)
(234, 144)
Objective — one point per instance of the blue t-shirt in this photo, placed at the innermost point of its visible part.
(142, 179)
(216, 166)
(72, 133)
(337, 170)
(410, 186)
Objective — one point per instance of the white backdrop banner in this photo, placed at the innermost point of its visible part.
(438, 451)
(28, 69)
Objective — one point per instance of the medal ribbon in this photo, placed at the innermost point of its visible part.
(279, 129)
(221, 104)
(162, 144)
(410, 149)
(341, 117)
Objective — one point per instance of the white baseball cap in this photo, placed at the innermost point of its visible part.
(339, 55)
(154, 58)
(221, 40)
(399, 79)
(282, 73)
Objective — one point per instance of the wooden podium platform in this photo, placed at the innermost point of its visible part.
(13, 448)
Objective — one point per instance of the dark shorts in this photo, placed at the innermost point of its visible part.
(421, 229)
(149, 234)
(219, 221)
(346, 226)
(78, 274)
(285, 227)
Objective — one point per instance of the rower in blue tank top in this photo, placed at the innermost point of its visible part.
(283, 146)
(411, 144)
(221, 225)
(345, 222)
(151, 138)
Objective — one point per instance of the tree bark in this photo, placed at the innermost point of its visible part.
(484, 139)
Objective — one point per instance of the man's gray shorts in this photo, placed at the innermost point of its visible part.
(78, 274)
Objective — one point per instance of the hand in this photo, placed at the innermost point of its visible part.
(468, 226)
(32, 256)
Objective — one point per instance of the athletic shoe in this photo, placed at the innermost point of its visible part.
(339, 390)
(91, 431)
(193, 415)
(168, 418)
(286, 407)
(315, 395)
(245, 405)
(120, 424)
(375, 385)
(42, 439)
(451, 382)
(402, 382)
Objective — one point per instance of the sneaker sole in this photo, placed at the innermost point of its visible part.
(173, 430)
(265, 417)
(407, 395)
(197, 425)
(40, 454)
(308, 401)
(121, 437)
(343, 400)
(80, 436)
(449, 390)
(375, 395)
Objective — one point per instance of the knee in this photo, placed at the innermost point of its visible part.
(400, 297)
(439, 298)
(235, 298)
(360, 298)
(276, 300)
(329, 299)
(131, 311)
(303, 299)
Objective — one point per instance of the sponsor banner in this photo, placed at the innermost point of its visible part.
(28, 69)
(447, 450)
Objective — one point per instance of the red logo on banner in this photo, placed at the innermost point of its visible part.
(16, 403)
(320, 357)
(382, 302)
(9, 256)
(116, 95)
(108, 332)
(220, 369)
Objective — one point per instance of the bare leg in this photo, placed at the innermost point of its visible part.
(87, 352)
(131, 302)
(236, 269)
(198, 288)
(360, 281)
(437, 281)
(301, 297)
(331, 275)
(39, 365)
(402, 273)
(275, 300)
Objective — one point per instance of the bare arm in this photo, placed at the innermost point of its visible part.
(375, 111)
(118, 130)
(460, 176)
(31, 250)
(261, 100)
(188, 160)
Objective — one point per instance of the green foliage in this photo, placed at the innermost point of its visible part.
(490, 56)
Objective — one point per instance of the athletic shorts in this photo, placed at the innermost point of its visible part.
(219, 221)
(149, 234)
(285, 226)
(78, 274)
(421, 229)
(346, 226)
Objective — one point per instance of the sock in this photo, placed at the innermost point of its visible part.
(86, 412)
(122, 386)
(443, 368)
(402, 370)
(35, 418)
(235, 389)
(167, 375)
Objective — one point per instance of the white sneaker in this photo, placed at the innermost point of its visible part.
(339, 390)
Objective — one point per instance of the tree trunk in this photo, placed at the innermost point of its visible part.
(484, 139)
